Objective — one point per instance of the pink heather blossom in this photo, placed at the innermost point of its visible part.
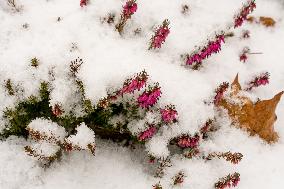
(188, 142)
(83, 3)
(56, 110)
(129, 8)
(135, 84)
(220, 91)
(228, 181)
(169, 114)
(243, 57)
(149, 98)
(160, 35)
(246, 10)
(263, 79)
(211, 48)
(147, 134)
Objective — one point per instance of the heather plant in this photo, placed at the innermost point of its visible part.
(261, 79)
(160, 35)
(243, 14)
(129, 113)
(129, 9)
(230, 180)
(194, 59)
(84, 3)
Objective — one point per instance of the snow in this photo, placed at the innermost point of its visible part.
(110, 58)
(82, 138)
(47, 129)
(45, 149)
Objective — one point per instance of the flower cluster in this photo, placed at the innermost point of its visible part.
(178, 178)
(206, 128)
(160, 35)
(128, 10)
(220, 92)
(169, 114)
(262, 79)
(234, 158)
(149, 97)
(130, 85)
(57, 110)
(244, 54)
(245, 11)
(228, 181)
(149, 133)
(195, 59)
(186, 141)
(83, 3)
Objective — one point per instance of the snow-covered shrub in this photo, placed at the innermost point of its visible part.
(128, 10)
(129, 113)
(51, 139)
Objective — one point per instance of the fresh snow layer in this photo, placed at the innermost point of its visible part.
(48, 129)
(109, 59)
(82, 138)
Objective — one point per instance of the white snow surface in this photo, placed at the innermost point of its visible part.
(45, 149)
(83, 137)
(48, 128)
(110, 58)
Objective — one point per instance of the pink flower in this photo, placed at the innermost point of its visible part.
(149, 98)
(235, 181)
(160, 35)
(212, 47)
(188, 142)
(243, 57)
(135, 84)
(169, 114)
(83, 3)
(246, 10)
(147, 134)
(263, 79)
(56, 110)
(129, 8)
(220, 91)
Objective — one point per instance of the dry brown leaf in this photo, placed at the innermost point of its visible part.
(267, 21)
(257, 118)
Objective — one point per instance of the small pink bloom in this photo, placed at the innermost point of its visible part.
(136, 83)
(56, 110)
(263, 79)
(147, 134)
(149, 98)
(129, 8)
(243, 57)
(188, 142)
(160, 35)
(169, 114)
(211, 48)
(220, 91)
(83, 3)
(246, 10)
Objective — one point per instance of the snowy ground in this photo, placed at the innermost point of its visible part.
(109, 58)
